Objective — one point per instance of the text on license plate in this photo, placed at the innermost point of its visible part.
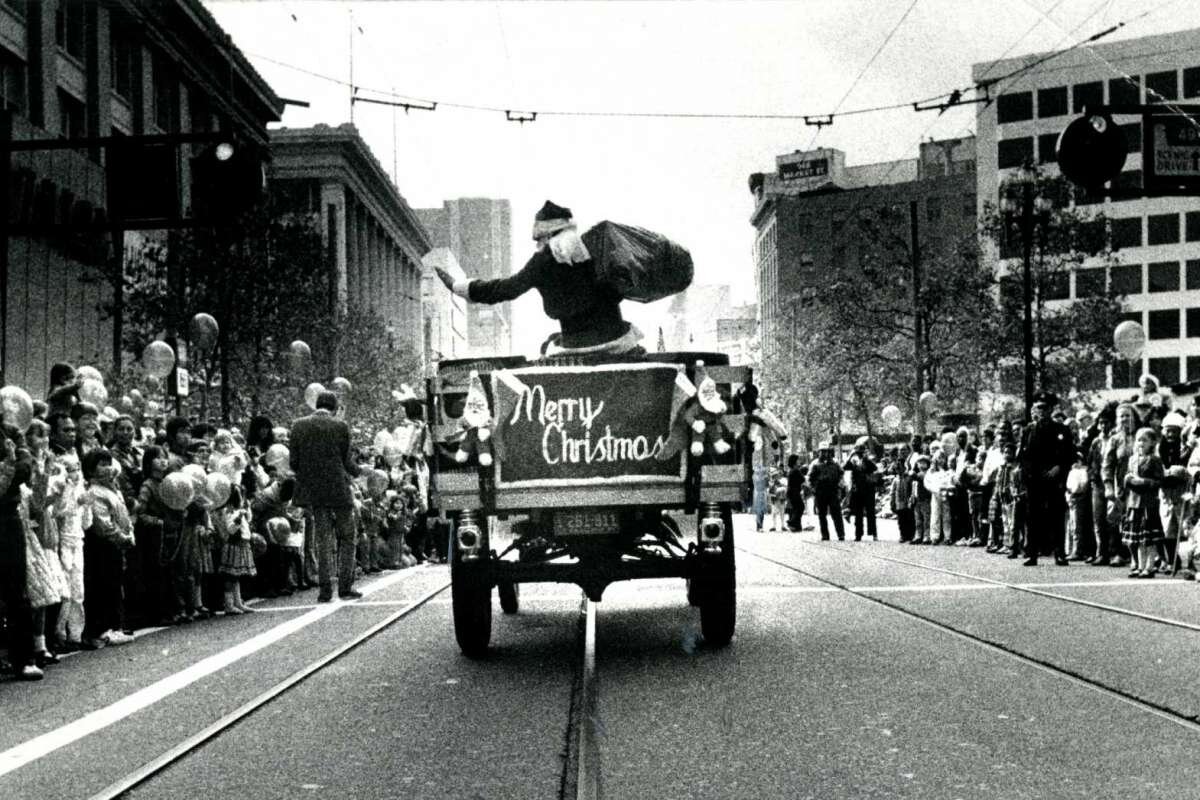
(585, 523)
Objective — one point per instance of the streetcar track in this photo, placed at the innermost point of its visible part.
(1023, 588)
(1166, 713)
(139, 776)
(581, 757)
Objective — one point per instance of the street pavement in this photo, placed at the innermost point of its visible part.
(850, 677)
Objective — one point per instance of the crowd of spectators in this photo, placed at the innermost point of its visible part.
(112, 524)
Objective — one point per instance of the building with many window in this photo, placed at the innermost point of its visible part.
(1158, 237)
(478, 231)
(806, 213)
(445, 313)
(374, 240)
(71, 69)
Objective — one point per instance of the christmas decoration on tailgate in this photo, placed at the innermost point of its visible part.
(641, 265)
(474, 440)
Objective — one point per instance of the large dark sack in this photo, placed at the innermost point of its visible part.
(640, 264)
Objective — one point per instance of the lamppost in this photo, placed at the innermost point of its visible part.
(1034, 209)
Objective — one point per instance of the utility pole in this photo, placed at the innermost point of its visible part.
(1027, 291)
(918, 320)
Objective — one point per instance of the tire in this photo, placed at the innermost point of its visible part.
(716, 592)
(471, 600)
(510, 596)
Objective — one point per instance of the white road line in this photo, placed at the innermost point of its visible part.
(16, 757)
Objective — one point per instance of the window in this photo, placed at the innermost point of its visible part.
(1133, 136)
(1125, 91)
(1052, 102)
(1192, 226)
(1127, 232)
(1089, 282)
(1192, 273)
(1090, 377)
(1162, 86)
(1166, 370)
(1047, 142)
(933, 209)
(12, 82)
(1056, 286)
(1191, 87)
(121, 64)
(1086, 94)
(1164, 276)
(1193, 368)
(1193, 324)
(71, 117)
(1164, 324)
(68, 27)
(1129, 183)
(1163, 229)
(1014, 107)
(1015, 152)
(1127, 279)
(1125, 375)
(166, 90)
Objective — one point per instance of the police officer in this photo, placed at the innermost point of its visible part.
(1047, 452)
(825, 478)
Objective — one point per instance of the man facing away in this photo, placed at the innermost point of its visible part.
(320, 458)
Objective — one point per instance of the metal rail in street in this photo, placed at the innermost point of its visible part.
(124, 785)
(1162, 712)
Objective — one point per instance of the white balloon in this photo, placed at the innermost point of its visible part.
(1129, 339)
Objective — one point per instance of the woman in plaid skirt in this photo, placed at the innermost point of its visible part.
(1142, 527)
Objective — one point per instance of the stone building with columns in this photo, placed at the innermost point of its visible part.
(373, 239)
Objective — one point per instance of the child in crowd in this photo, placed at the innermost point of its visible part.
(901, 500)
(232, 521)
(777, 487)
(72, 511)
(1080, 538)
(159, 541)
(1142, 528)
(104, 546)
(271, 502)
(938, 482)
(1010, 493)
(922, 500)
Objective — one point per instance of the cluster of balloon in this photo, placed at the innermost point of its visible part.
(203, 332)
(158, 359)
(341, 385)
(217, 488)
(310, 394)
(17, 407)
(1129, 339)
(892, 417)
(177, 491)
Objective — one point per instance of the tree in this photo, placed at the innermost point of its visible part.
(1072, 339)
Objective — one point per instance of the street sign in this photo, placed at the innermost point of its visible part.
(1172, 154)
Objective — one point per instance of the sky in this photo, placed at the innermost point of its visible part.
(683, 177)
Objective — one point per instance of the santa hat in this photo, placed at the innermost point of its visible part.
(550, 219)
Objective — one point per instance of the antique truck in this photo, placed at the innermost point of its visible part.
(606, 470)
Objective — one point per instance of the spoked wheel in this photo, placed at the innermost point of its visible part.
(715, 591)
(510, 596)
(471, 599)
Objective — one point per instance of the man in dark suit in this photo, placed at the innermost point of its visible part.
(1046, 456)
(320, 458)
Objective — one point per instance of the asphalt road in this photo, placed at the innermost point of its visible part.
(859, 670)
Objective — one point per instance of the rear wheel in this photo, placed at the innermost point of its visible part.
(510, 596)
(715, 590)
(471, 599)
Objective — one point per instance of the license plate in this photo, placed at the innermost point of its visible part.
(585, 523)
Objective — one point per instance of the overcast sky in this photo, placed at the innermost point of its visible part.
(686, 178)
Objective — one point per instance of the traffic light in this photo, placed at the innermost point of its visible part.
(228, 180)
(1091, 151)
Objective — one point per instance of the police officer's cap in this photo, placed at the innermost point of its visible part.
(1047, 399)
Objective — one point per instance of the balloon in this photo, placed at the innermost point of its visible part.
(382, 440)
(310, 394)
(89, 373)
(197, 476)
(341, 385)
(230, 465)
(892, 417)
(279, 529)
(278, 456)
(153, 408)
(177, 491)
(126, 403)
(204, 331)
(217, 488)
(110, 412)
(258, 543)
(136, 396)
(17, 406)
(1129, 338)
(300, 349)
(928, 402)
(93, 391)
(158, 358)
